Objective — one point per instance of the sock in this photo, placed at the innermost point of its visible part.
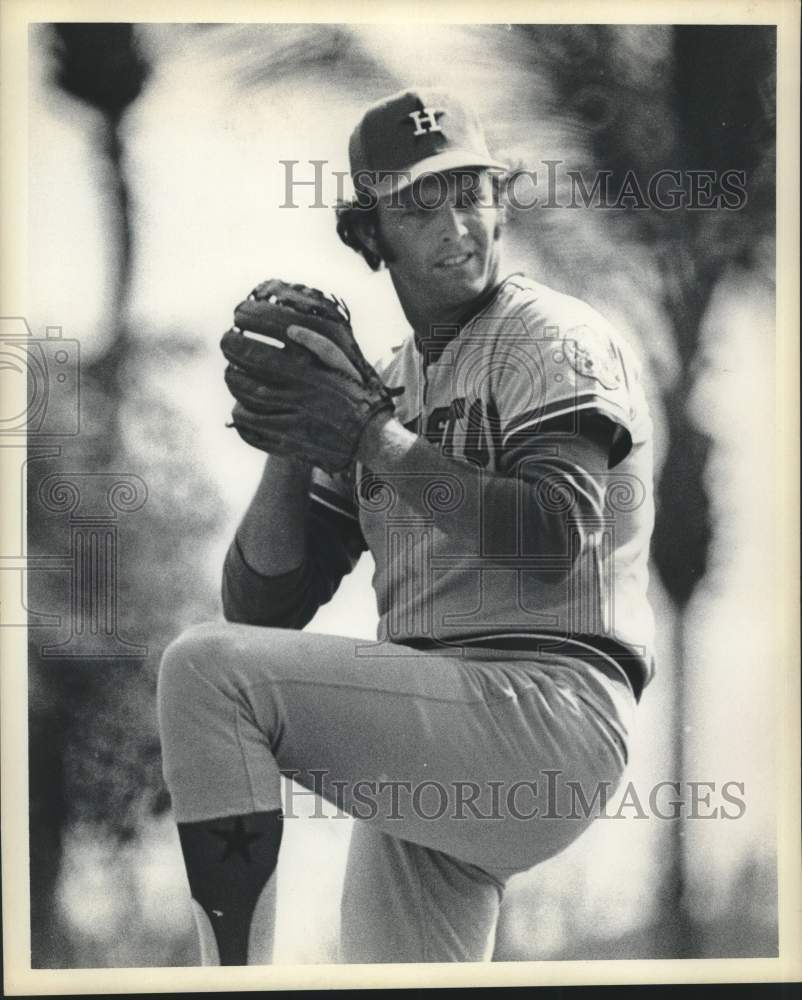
(228, 863)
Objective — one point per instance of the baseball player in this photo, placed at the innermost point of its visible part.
(498, 468)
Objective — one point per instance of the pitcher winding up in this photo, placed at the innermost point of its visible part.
(498, 467)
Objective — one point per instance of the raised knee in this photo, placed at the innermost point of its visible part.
(192, 643)
(187, 658)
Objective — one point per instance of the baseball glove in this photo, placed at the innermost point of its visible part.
(302, 386)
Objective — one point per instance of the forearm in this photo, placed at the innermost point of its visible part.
(288, 557)
(536, 510)
(263, 574)
(272, 532)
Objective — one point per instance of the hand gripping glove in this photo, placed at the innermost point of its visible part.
(302, 386)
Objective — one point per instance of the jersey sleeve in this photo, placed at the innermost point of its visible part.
(334, 540)
(335, 494)
(560, 382)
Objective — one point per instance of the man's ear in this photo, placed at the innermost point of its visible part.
(501, 220)
(365, 230)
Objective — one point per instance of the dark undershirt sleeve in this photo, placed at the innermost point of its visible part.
(612, 437)
(544, 524)
(334, 544)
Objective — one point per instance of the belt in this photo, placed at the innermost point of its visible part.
(609, 656)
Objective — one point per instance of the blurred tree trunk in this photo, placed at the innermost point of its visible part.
(721, 78)
(100, 65)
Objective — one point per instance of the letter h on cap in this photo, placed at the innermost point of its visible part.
(426, 120)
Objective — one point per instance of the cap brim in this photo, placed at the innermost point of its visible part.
(452, 160)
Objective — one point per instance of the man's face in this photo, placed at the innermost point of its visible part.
(439, 238)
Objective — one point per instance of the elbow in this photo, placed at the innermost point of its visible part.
(580, 523)
(273, 606)
(249, 598)
(567, 522)
(241, 607)
(235, 609)
(583, 534)
(263, 617)
(234, 612)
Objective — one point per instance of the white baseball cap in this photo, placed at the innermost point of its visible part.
(415, 132)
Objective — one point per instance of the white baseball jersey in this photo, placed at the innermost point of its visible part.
(531, 360)
(240, 706)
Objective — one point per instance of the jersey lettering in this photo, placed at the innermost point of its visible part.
(437, 424)
(483, 430)
(413, 425)
(476, 448)
(455, 412)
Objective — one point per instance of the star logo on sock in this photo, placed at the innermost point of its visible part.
(237, 840)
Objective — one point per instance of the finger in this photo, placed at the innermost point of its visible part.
(265, 428)
(270, 368)
(278, 436)
(255, 436)
(256, 397)
(326, 352)
(240, 383)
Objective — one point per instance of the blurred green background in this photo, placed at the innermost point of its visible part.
(155, 186)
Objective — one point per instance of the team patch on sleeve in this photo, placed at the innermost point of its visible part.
(581, 372)
(593, 355)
